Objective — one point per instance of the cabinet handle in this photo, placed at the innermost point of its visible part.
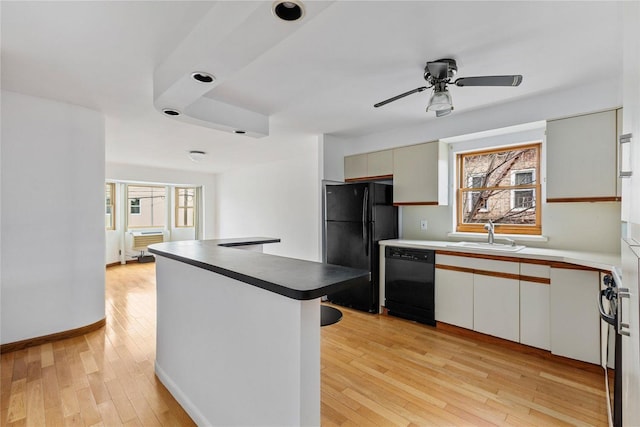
(622, 293)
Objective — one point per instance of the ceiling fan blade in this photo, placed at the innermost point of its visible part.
(514, 80)
(438, 70)
(402, 95)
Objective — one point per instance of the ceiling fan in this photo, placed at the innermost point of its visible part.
(438, 75)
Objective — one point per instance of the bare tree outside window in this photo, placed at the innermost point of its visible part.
(500, 185)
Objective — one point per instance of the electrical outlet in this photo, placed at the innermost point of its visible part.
(423, 225)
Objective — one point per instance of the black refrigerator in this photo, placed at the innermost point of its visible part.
(357, 216)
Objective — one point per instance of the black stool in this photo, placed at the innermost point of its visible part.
(329, 315)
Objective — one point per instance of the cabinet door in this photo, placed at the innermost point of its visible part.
(355, 166)
(380, 163)
(496, 306)
(418, 175)
(581, 156)
(534, 315)
(454, 298)
(534, 305)
(575, 320)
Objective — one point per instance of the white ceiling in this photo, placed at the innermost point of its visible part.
(323, 76)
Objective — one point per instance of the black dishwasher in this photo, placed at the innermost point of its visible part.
(410, 284)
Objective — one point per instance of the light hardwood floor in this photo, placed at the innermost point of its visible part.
(376, 370)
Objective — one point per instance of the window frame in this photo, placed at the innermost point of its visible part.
(110, 205)
(461, 192)
(178, 206)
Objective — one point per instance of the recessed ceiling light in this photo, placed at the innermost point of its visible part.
(291, 10)
(240, 132)
(203, 77)
(171, 111)
(196, 155)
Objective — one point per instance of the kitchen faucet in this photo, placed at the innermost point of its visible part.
(490, 227)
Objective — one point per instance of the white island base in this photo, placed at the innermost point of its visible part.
(234, 354)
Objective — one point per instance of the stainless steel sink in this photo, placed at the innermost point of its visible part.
(498, 247)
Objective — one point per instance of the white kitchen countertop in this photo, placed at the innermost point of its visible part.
(601, 261)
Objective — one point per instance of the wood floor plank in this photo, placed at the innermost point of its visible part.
(375, 370)
(69, 402)
(50, 387)
(35, 404)
(17, 409)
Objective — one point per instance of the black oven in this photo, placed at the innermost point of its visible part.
(611, 346)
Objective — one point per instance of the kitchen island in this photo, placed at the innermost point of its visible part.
(238, 331)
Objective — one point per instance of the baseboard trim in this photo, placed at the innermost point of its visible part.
(72, 333)
(129, 261)
(522, 348)
(186, 403)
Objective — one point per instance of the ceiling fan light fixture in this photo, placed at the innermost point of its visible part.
(442, 113)
(440, 101)
(196, 155)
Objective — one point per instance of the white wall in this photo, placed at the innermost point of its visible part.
(585, 226)
(591, 227)
(53, 240)
(276, 199)
(150, 175)
(596, 96)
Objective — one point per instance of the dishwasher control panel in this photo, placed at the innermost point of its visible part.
(420, 255)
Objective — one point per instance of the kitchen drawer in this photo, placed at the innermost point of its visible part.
(482, 265)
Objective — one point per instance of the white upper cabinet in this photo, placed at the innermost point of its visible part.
(581, 158)
(355, 166)
(376, 165)
(420, 174)
(380, 163)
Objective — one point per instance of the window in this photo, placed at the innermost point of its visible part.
(109, 196)
(501, 185)
(476, 200)
(185, 206)
(147, 206)
(134, 206)
(522, 199)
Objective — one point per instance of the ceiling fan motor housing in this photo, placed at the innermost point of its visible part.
(452, 69)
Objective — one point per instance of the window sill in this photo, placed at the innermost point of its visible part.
(483, 236)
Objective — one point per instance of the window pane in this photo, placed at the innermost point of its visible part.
(495, 168)
(497, 207)
(500, 185)
(523, 178)
(523, 199)
(147, 206)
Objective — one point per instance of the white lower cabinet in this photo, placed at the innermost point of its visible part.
(575, 321)
(496, 306)
(532, 303)
(534, 315)
(454, 298)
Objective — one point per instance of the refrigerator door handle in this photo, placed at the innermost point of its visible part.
(365, 217)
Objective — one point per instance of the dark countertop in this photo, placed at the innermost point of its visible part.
(293, 278)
